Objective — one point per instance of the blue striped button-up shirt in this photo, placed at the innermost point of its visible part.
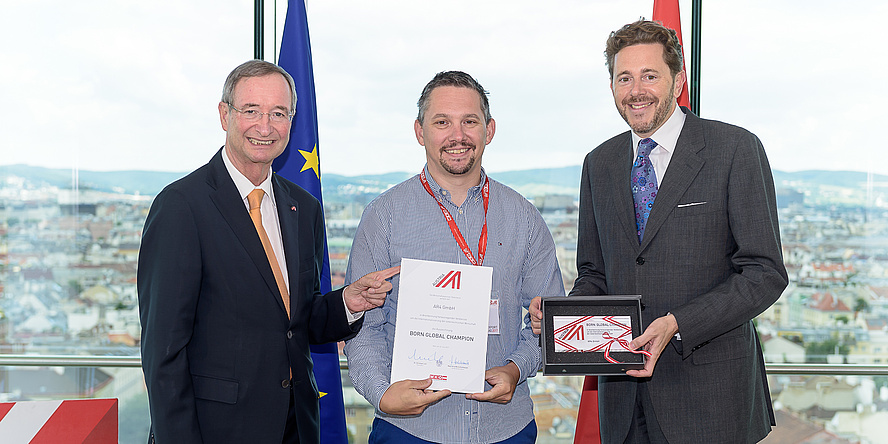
(406, 222)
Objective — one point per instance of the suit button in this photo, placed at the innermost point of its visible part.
(639, 261)
(290, 334)
(285, 383)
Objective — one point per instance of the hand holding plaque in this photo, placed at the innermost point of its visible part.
(591, 335)
(654, 340)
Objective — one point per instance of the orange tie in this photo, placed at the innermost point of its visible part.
(255, 200)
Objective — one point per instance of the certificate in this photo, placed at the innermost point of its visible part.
(442, 325)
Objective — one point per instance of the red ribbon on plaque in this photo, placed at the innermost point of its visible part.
(606, 346)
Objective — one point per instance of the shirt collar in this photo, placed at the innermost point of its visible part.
(667, 135)
(244, 186)
(441, 191)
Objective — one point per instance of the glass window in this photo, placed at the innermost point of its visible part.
(109, 101)
(106, 102)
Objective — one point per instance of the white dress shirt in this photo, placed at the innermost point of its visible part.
(666, 137)
(268, 209)
(270, 221)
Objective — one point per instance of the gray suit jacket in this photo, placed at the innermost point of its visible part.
(711, 256)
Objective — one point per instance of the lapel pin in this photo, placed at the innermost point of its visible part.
(293, 208)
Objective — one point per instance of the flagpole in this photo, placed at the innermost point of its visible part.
(696, 21)
(258, 31)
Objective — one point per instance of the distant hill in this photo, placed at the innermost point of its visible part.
(845, 179)
(534, 182)
(564, 180)
(371, 180)
(128, 182)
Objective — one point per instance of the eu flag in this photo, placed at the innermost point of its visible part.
(300, 163)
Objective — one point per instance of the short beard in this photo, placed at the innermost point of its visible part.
(660, 116)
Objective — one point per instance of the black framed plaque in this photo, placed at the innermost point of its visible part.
(589, 335)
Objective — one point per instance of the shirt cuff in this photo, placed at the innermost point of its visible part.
(351, 317)
(678, 334)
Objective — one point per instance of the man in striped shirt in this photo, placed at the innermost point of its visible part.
(494, 222)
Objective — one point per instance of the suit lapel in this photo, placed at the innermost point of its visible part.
(227, 200)
(288, 211)
(683, 168)
(620, 172)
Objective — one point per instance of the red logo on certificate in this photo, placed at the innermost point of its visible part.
(451, 280)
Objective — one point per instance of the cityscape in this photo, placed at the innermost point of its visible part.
(68, 257)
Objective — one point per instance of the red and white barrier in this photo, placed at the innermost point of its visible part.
(79, 421)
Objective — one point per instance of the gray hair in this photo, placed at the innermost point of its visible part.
(452, 78)
(256, 68)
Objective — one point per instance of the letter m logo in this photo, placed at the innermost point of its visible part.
(452, 280)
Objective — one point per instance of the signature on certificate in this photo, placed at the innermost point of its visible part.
(458, 362)
(434, 358)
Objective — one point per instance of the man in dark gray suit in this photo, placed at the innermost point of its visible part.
(682, 211)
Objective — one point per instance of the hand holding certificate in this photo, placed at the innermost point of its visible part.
(442, 325)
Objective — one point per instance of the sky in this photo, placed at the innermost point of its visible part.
(107, 85)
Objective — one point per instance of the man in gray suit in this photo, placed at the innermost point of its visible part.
(682, 211)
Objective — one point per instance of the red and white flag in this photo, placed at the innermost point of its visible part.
(666, 12)
(80, 421)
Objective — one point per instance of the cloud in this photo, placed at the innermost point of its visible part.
(110, 85)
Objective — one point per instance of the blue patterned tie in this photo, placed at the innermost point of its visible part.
(644, 184)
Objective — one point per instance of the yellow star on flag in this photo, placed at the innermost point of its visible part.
(311, 161)
(321, 394)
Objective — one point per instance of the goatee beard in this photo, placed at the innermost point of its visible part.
(458, 169)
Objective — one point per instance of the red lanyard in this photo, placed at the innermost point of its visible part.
(482, 241)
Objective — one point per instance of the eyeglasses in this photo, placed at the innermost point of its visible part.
(252, 115)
